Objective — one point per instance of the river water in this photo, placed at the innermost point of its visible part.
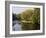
(17, 26)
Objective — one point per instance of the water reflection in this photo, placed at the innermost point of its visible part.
(17, 26)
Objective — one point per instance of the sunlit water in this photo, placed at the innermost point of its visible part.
(17, 26)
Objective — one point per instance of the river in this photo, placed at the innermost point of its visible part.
(17, 26)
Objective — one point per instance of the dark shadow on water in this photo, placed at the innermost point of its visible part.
(18, 26)
(30, 26)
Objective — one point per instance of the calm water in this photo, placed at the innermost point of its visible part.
(17, 26)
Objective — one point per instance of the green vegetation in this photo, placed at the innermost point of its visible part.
(30, 19)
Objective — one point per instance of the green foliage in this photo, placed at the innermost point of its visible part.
(36, 16)
(30, 15)
(26, 15)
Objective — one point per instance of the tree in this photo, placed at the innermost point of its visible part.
(26, 15)
(36, 16)
(19, 17)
